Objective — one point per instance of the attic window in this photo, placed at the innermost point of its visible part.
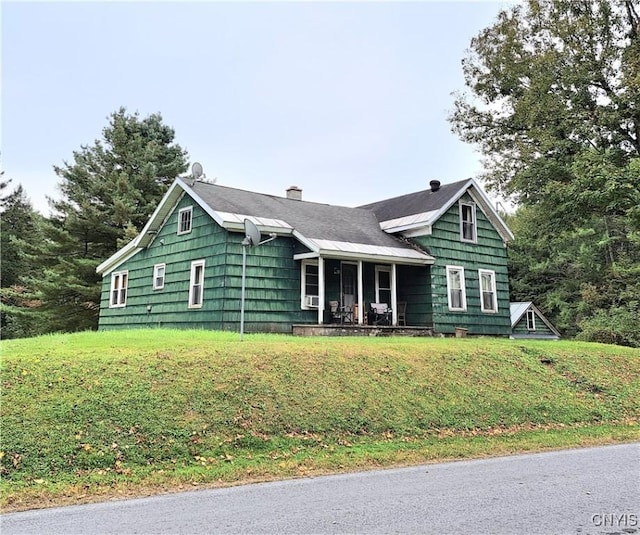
(468, 222)
(531, 320)
(184, 220)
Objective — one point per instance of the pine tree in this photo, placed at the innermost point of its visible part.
(110, 189)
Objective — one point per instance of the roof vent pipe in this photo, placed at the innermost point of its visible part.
(435, 185)
(295, 193)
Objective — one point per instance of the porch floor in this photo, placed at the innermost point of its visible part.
(333, 329)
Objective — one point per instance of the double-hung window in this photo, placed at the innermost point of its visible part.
(468, 231)
(196, 284)
(310, 284)
(456, 293)
(158, 276)
(119, 281)
(488, 296)
(531, 320)
(184, 220)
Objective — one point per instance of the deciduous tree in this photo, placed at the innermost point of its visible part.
(553, 103)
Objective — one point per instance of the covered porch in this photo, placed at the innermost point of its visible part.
(366, 296)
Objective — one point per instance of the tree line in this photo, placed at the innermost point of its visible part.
(108, 192)
(551, 101)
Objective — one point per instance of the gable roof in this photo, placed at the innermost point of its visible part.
(517, 309)
(423, 208)
(326, 230)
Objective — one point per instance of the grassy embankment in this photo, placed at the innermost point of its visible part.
(97, 415)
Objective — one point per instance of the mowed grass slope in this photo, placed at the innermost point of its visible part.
(119, 413)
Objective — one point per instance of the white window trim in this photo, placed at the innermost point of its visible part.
(156, 268)
(194, 265)
(182, 211)
(462, 287)
(533, 320)
(474, 222)
(118, 276)
(303, 283)
(386, 269)
(494, 290)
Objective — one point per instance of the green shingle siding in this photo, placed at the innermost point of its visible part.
(488, 253)
(271, 306)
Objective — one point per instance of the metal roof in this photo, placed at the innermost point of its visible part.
(517, 310)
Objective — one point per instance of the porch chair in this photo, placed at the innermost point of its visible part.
(402, 313)
(336, 314)
(380, 314)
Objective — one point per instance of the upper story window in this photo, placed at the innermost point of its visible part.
(119, 281)
(468, 231)
(310, 284)
(196, 284)
(531, 320)
(158, 276)
(488, 294)
(184, 220)
(456, 292)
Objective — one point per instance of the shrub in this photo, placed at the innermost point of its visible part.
(617, 325)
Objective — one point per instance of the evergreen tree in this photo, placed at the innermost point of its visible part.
(19, 238)
(108, 192)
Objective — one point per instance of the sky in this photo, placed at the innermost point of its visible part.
(346, 100)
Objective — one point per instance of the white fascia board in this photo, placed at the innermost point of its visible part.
(418, 231)
(170, 198)
(235, 222)
(383, 259)
(307, 242)
(409, 222)
(120, 256)
(454, 199)
(480, 197)
(361, 251)
(544, 320)
(305, 256)
(212, 213)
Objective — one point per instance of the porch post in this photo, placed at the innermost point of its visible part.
(360, 293)
(320, 290)
(394, 296)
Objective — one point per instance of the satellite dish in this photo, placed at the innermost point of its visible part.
(196, 170)
(252, 234)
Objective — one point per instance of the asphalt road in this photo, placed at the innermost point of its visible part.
(584, 491)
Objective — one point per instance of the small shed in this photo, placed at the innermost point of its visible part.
(528, 322)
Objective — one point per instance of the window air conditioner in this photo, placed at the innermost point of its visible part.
(312, 301)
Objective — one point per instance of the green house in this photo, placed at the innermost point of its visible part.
(434, 259)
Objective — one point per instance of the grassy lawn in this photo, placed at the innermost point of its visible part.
(96, 415)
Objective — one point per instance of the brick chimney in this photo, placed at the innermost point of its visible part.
(295, 193)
